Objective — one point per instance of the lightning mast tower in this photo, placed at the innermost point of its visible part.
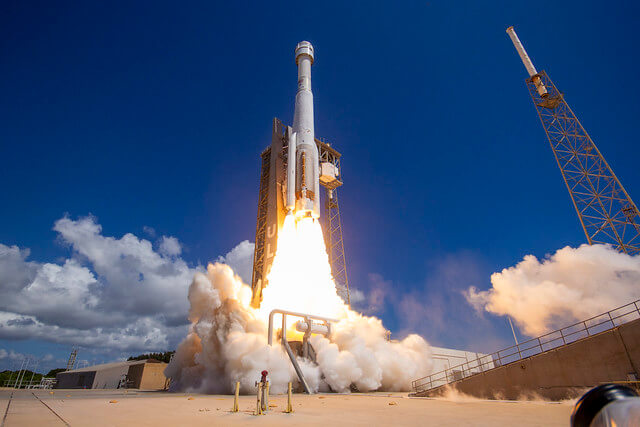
(607, 213)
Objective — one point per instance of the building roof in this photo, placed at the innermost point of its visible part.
(105, 366)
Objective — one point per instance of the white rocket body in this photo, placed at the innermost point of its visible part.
(303, 177)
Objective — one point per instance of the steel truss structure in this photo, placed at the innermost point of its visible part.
(261, 225)
(271, 184)
(335, 245)
(606, 212)
(72, 358)
(333, 225)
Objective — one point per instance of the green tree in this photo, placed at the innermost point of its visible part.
(162, 357)
(52, 373)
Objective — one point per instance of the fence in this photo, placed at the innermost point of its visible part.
(546, 342)
(44, 383)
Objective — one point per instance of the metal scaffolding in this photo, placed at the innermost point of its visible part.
(271, 212)
(606, 212)
(335, 245)
(333, 226)
(261, 228)
(72, 358)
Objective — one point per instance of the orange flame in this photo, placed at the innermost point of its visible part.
(300, 278)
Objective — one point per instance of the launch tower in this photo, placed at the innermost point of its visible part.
(607, 213)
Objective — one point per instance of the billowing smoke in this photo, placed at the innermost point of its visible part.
(227, 342)
(571, 285)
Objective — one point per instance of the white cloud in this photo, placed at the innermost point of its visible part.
(149, 231)
(13, 360)
(240, 259)
(571, 285)
(170, 246)
(11, 355)
(119, 293)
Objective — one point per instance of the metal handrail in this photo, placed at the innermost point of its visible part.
(529, 348)
(43, 383)
(285, 343)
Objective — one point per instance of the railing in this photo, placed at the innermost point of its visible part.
(594, 325)
(45, 383)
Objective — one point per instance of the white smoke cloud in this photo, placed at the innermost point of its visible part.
(360, 354)
(571, 285)
(227, 342)
(356, 296)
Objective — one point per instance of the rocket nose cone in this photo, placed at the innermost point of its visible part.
(304, 43)
(304, 48)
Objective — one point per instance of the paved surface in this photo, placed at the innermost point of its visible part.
(132, 407)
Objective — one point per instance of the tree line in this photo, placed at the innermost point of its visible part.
(162, 357)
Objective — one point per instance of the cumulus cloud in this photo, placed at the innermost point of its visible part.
(571, 285)
(10, 355)
(149, 231)
(170, 246)
(120, 293)
(13, 360)
(240, 259)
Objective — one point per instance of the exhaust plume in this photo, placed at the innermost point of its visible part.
(227, 340)
(571, 285)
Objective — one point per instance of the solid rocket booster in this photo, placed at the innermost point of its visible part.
(303, 177)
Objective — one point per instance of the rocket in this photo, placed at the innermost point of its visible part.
(303, 178)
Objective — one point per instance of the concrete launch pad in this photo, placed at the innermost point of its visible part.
(92, 408)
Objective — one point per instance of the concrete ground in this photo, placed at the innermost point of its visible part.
(139, 408)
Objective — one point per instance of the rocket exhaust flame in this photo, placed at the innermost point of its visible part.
(227, 341)
(300, 277)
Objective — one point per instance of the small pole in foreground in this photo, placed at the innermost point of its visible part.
(236, 406)
(265, 396)
(289, 406)
(258, 402)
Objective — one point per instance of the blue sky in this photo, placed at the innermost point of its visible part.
(152, 115)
